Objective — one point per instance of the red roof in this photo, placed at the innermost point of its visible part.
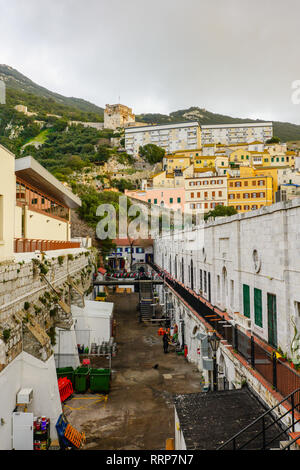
(137, 242)
(101, 270)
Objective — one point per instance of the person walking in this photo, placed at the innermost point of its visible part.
(165, 342)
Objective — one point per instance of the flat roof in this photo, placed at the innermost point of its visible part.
(93, 308)
(207, 420)
(30, 171)
(245, 124)
(131, 130)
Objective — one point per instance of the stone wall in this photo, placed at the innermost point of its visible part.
(35, 297)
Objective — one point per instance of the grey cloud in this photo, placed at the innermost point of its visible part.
(236, 57)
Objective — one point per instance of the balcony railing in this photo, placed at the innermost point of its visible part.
(261, 358)
(26, 245)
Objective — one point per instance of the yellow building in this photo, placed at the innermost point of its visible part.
(251, 190)
(171, 180)
(177, 162)
(7, 204)
(204, 163)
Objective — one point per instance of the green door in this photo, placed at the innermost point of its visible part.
(272, 320)
(257, 307)
(246, 300)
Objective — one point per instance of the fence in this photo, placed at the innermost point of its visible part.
(25, 245)
(73, 360)
(283, 379)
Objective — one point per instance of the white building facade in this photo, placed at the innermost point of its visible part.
(236, 133)
(246, 271)
(171, 137)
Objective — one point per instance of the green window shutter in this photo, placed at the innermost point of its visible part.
(155, 201)
(258, 307)
(171, 200)
(246, 299)
(178, 199)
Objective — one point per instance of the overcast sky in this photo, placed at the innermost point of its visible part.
(235, 57)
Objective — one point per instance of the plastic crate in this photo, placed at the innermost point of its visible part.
(65, 388)
(100, 380)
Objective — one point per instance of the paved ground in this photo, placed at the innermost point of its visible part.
(139, 412)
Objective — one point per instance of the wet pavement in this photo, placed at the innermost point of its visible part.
(138, 413)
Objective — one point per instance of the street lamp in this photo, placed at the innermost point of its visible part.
(214, 342)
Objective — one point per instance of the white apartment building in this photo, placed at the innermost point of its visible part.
(202, 194)
(245, 271)
(171, 137)
(236, 133)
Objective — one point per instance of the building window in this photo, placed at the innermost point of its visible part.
(205, 281)
(246, 300)
(201, 281)
(140, 250)
(258, 307)
(178, 199)
(155, 201)
(171, 200)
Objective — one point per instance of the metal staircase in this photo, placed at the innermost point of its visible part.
(146, 301)
(268, 431)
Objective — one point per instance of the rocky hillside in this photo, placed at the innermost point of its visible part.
(17, 81)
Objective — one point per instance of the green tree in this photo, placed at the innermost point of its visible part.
(122, 184)
(152, 153)
(273, 140)
(220, 211)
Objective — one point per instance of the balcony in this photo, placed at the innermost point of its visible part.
(25, 245)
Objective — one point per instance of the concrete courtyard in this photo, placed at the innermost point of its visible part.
(139, 413)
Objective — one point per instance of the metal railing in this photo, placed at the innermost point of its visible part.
(261, 423)
(281, 377)
(26, 245)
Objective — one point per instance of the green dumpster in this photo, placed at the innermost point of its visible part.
(65, 372)
(99, 380)
(81, 375)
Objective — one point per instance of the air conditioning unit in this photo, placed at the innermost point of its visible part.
(24, 396)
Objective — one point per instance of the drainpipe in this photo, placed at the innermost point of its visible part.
(182, 333)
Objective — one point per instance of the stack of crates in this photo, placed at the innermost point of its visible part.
(67, 435)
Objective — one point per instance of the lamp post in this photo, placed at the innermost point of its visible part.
(214, 342)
